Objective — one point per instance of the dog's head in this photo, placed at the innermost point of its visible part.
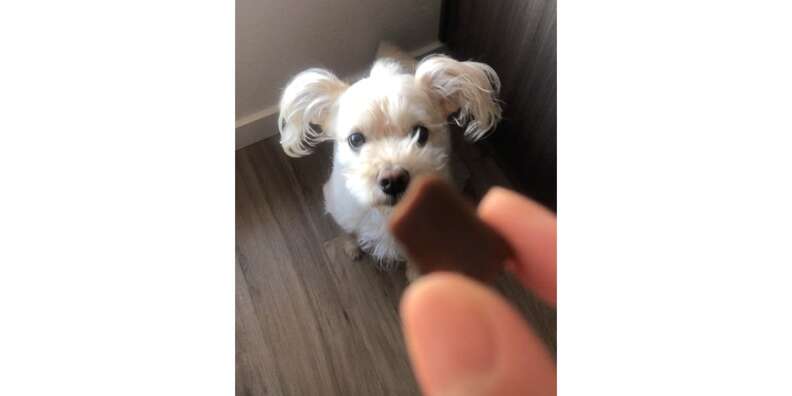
(391, 126)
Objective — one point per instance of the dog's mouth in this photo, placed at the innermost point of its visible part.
(390, 200)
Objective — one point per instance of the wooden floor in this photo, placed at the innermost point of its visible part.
(308, 320)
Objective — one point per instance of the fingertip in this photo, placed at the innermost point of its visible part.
(430, 291)
(530, 230)
(449, 338)
(498, 201)
(413, 293)
(464, 338)
(430, 286)
(421, 285)
(491, 200)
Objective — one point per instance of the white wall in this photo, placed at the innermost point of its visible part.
(275, 39)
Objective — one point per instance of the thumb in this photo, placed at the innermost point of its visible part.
(463, 339)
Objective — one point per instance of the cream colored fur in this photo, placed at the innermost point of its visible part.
(385, 107)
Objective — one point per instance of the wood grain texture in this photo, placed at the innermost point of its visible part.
(518, 39)
(309, 320)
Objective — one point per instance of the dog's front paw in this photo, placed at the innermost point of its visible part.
(352, 249)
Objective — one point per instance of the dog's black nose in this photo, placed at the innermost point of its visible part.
(394, 182)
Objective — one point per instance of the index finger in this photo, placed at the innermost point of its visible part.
(530, 229)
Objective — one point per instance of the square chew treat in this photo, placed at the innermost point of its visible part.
(440, 231)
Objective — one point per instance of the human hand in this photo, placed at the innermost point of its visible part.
(462, 337)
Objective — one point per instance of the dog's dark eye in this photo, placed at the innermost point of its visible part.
(422, 133)
(356, 140)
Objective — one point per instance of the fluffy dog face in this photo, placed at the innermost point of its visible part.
(388, 130)
(390, 127)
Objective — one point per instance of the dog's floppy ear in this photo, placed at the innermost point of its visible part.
(304, 109)
(468, 87)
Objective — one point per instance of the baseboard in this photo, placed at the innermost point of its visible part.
(263, 124)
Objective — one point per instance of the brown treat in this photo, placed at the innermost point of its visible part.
(440, 231)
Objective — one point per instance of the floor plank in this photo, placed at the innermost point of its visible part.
(310, 320)
(282, 305)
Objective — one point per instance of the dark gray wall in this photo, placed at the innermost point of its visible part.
(518, 39)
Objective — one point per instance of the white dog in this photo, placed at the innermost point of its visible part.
(388, 128)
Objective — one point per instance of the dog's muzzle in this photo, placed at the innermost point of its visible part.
(393, 182)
